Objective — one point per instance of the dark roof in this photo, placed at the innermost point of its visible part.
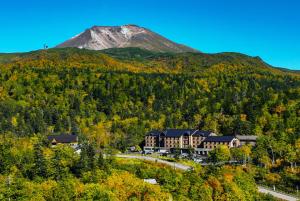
(219, 139)
(154, 133)
(203, 133)
(178, 132)
(63, 138)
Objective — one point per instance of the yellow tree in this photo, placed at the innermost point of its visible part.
(246, 150)
(98, 134)
(272, 178)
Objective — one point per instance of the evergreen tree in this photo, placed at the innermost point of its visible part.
(40, 163)
(91, 156)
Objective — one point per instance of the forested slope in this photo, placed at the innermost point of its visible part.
(136, 60)
(71, 90)
(113, 97)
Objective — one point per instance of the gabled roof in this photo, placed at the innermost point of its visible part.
(154, 133)
(219, 139)
(204, 133)
(63, 138)
(178, 132)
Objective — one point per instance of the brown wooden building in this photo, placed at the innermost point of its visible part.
(212, 142)
(201, 141)
(176, 138)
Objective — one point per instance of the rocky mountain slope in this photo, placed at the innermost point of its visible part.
(105, 37)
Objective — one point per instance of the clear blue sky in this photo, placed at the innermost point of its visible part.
(266, 28)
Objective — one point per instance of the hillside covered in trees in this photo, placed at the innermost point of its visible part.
(71, 90)
(113, 97)
(135, 60)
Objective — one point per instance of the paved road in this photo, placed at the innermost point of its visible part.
(147, 158)
(276, 194)
(185, 167)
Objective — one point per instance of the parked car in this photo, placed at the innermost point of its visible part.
(184, 155)
(198, 160)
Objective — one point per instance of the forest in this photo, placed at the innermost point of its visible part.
(114, 97)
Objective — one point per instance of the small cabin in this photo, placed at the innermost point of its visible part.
(71, 140)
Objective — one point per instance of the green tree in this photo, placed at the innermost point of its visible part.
(220, 154)
(40, 163)
(290, 155)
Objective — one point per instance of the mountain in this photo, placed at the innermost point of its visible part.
(105, 37)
